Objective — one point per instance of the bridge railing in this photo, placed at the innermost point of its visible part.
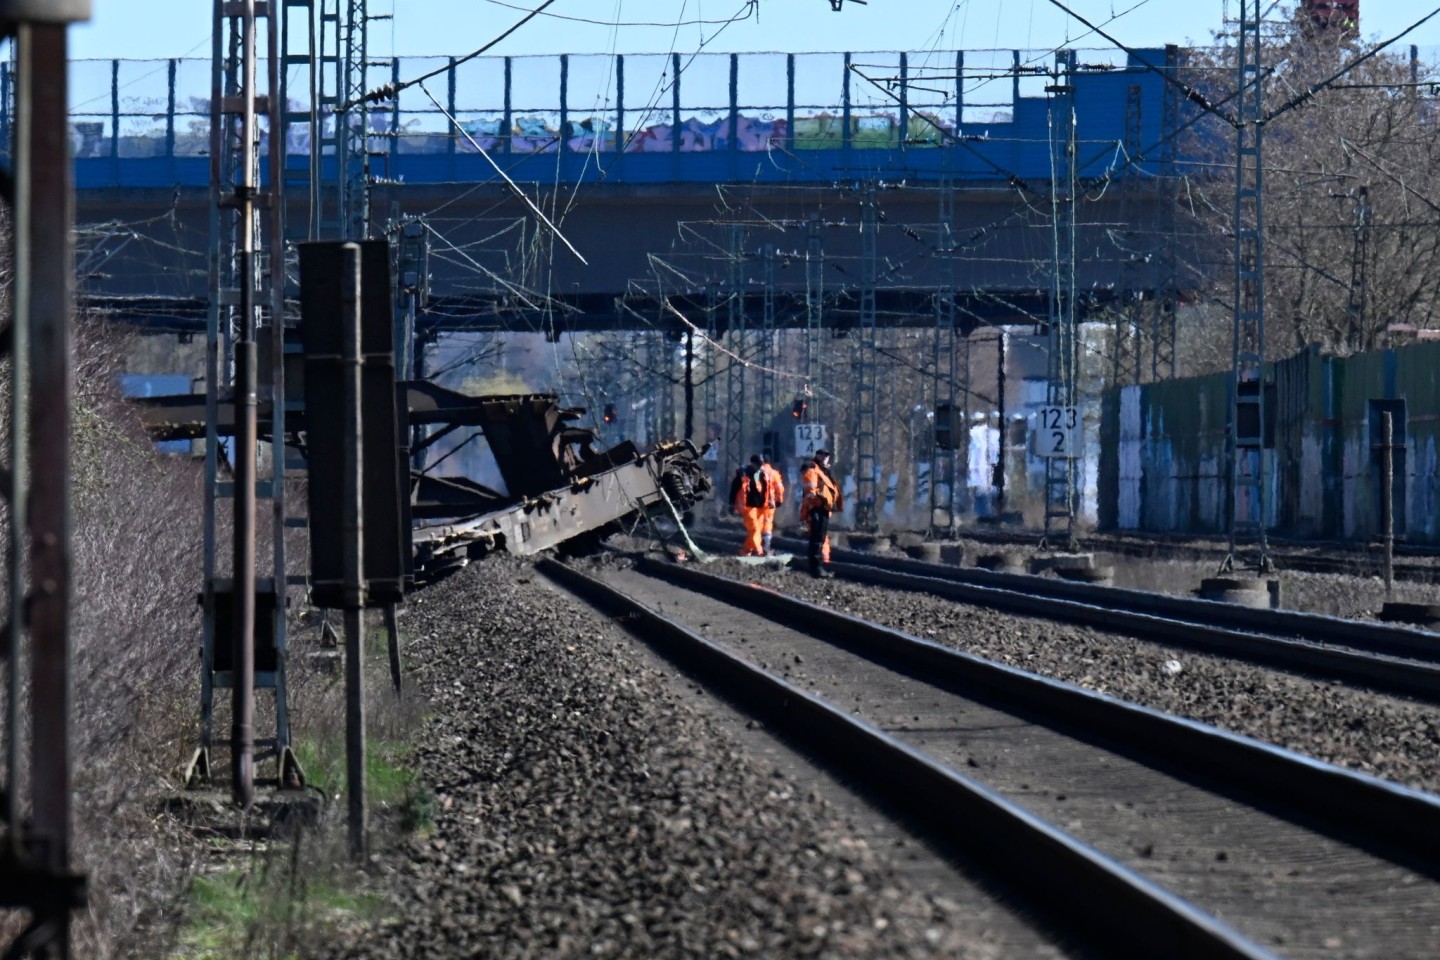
(150, 119)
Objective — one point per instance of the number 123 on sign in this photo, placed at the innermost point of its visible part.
(1057, 432)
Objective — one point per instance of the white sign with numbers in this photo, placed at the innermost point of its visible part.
(1057, 432)
(809, 437)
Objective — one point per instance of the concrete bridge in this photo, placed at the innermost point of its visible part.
(675, 179)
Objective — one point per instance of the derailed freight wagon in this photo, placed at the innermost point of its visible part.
(1163, 460)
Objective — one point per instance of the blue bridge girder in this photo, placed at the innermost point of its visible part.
(647, 175)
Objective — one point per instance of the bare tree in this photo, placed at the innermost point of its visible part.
(1351, 195)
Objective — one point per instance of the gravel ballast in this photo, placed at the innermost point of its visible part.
(589, 803)
(584, 807)
(1385, 736)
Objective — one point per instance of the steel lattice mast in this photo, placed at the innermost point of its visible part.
(1245, 438)
(867, 460)
(943, 467)
(354, 124)
(1061, 393)
(738, 432)
(1162, 344)
(768, 359)
(1127, 347)
(814, 311)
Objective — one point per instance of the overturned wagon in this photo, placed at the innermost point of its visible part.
(665, 481)
(561, 490)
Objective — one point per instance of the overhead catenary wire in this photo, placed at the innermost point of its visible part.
(514, 188)
(1191, 94)
(625, 23)
(1125, 160)
(524, 296)
(1309, 92)
(389, 91)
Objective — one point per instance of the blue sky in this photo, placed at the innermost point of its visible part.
(173, 28)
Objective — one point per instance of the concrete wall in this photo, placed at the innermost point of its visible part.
(1163, 465)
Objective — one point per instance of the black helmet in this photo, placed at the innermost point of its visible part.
(822, 455)
(755, 459)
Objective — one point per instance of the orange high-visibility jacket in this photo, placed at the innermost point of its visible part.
(818, 489)
(774, 486)
(757, 480)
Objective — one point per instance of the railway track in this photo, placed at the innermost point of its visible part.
(1151, 835)
(1381, 656)
(1413, 563)
(1417, 564)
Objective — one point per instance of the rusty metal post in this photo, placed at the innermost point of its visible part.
(392, 628)
(17, 490)
(689, 384)
(353, 362)
(36, 858)
(1387, 497)
(242, 734)
(51, 268)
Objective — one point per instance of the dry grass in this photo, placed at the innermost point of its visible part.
(136, 555)
(156, 888)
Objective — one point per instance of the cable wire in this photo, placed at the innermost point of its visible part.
(390, 90)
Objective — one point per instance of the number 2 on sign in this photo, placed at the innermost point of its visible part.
(1057, 433)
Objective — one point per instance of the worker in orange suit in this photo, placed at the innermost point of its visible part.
(819, 497)
(774, 500)
(750, 503)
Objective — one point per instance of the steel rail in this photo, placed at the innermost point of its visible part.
(1077, 885)
(1362, 667)
(1349, 557)
(1392, 821)
(1357, 635)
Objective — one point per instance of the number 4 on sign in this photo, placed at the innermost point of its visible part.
(1056, 432)
(809, 437)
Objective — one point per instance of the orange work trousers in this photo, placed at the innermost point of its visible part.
(769, 525)
(754, 520)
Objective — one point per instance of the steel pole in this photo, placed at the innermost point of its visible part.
(18, 496)
(242, 734)
(1387, 496)
(274, 245)
(352, 363)
(999, 478)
